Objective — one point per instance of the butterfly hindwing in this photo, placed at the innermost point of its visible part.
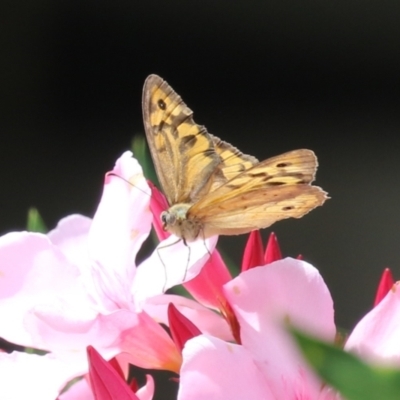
(233, 162)
(248, 212)
(291, 168)
(274, 189)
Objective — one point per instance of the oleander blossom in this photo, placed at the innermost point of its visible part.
(79, 285)
(264, 363)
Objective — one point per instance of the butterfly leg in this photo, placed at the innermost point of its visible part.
(162, 262)
(188, 260)
(204, 241)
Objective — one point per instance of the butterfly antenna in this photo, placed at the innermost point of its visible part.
(130, 183)
(204, 241)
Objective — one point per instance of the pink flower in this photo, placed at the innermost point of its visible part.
(264, 363)
(79, 285)
(267, 364)
(376, 337)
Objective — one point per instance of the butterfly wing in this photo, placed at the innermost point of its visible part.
(233, 162)
(272, 190)
(183, 152)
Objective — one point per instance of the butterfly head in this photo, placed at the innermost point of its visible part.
(176, 221)
(167, 220)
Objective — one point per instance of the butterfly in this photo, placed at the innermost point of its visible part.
(212, 188)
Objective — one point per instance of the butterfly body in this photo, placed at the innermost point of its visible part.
(176, 221)
(212, 188)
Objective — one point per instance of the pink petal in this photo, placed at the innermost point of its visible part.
(385, 284)
(68, 331)
(206, 287)
(147, 345)
(30, 376)
(71, 237)
(121, 224)
(376, 337)
(171, 264)
(205, 319)
(264, 300)
(253, 254)
(213, 369)
(272, 251)
(158, 204)
(181, 328)
(34, 273)
(106, 383)
(146, 392)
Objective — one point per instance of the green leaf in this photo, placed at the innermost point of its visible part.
(353, 378)
(35, 222)
(31, 350)
(142, 154)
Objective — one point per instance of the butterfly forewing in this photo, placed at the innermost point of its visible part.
(182, 151)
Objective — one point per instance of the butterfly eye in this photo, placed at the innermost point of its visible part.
(161, 104)
(167, 219)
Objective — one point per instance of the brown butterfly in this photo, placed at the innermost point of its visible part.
(211, 187)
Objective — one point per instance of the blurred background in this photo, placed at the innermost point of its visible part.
(267, 77)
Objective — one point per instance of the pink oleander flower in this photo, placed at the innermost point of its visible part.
(79, 285)
(264, 363)
(375, 338)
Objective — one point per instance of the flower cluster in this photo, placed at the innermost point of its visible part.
(79, 295)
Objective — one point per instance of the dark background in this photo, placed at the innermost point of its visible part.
(266, 76)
